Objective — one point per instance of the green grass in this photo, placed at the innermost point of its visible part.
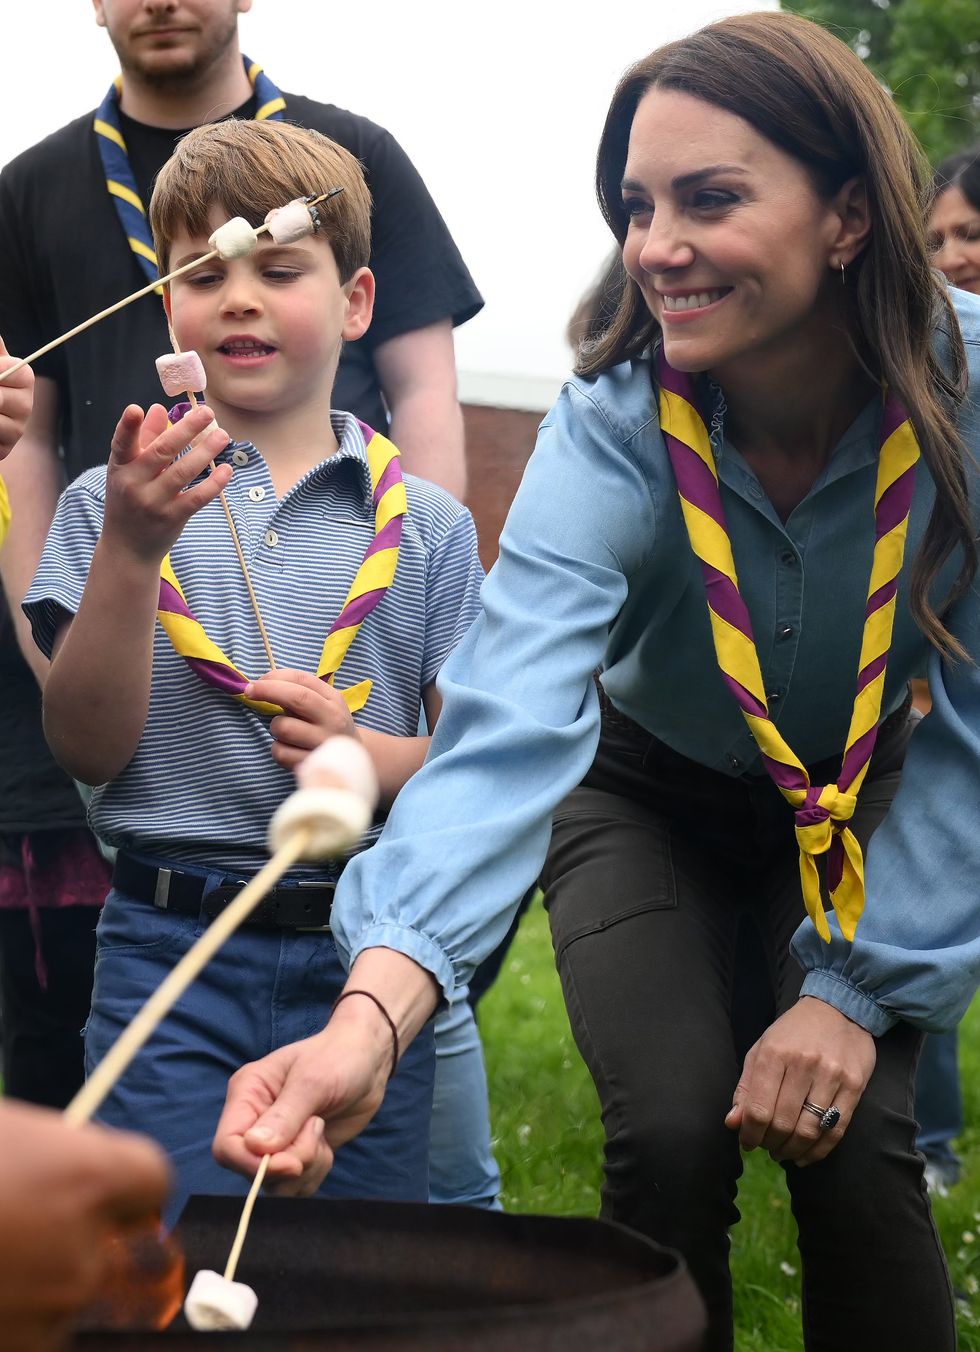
(548, 1140)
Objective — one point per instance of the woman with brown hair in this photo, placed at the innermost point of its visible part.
(752, 510)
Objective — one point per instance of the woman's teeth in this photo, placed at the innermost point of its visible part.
(696, 301)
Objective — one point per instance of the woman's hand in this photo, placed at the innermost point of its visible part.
(312, 712)
(812, 1053)
(304, 1100)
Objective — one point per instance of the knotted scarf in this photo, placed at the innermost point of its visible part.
(822, 813)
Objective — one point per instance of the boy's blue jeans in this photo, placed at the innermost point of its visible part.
(263, 989)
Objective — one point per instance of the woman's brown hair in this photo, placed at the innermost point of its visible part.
(807, 92)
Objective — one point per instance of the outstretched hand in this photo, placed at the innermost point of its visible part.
(303, 1101)
(811, 1053)
(148, 495)
(312, 712)
(16, 401)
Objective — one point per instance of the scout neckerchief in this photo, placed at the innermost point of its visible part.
(119, 176)
(821, 813)
(372, 580)
(4, 511)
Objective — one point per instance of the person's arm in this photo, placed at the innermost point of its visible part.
(417, 373)
(34, 478)
(469, 831)
(97, 692)
(65, 1191)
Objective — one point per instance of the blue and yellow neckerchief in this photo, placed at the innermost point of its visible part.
(119, 176)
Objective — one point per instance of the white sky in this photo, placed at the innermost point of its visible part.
(500, 106)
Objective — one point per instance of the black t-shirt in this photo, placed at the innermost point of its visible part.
(64, 257)
(34, 793)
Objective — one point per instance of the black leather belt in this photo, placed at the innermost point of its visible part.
(291, 906)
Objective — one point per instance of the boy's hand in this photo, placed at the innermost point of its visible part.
(313, 711)
(16, 401)
(148, 501)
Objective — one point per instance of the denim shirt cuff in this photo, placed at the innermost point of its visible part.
(851, 1002)
(403, 940)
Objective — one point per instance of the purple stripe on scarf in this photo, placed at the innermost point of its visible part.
(179, 411)
(881, 597)
(857, 755)
(872, 670)
(224, 678)
(392, 474)
(171, 600)
(358, 610)
(725, 600)
(677, 382)
(694, 480)
(785, 776)
(895, 503)
(835, 863)
(892, 416)
(389, 537)
(368, 433)
(745, 698)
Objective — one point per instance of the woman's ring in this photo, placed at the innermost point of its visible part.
(829, 1117)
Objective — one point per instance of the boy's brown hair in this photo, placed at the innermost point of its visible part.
(247, 169)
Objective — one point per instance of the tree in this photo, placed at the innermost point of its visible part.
(927, 52)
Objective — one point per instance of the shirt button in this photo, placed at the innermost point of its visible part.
(734, 762)
(773, 696)
(755, 491)
(272, 538)
(256, 494)
(239, 457)
(784, 631)
(787, 557)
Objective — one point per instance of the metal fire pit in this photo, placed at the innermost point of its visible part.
(391, 1277)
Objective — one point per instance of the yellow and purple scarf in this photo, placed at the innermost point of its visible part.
(822, 813)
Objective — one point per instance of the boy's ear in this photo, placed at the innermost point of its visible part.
(168, 306)
(360, 304)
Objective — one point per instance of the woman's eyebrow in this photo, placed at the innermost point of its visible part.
(687, 180)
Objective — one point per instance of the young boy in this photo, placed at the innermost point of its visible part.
(188, 775)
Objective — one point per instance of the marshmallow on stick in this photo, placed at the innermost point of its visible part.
(338, 828)
(155, 286)
(181, 372)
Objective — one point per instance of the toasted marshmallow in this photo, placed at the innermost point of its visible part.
(234, 239)
(181, 373)
(213, 1302)
(340, 763)
(336, 819)
(289, 223)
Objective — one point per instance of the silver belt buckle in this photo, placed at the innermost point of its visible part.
(161, 893)
(310, 929)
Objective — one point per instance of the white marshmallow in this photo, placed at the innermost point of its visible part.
(289, 223)
(338, 818)
(181, 372)
(341, 763)
(213, 1302)
(234, 239)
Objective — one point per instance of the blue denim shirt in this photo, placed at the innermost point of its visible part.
(596, 569)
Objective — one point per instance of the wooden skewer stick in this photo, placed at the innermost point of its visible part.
(93, 1092)
(263, 632)
(137, 295)
(253, 1192)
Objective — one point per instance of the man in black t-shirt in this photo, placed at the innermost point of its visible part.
(69, 252)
